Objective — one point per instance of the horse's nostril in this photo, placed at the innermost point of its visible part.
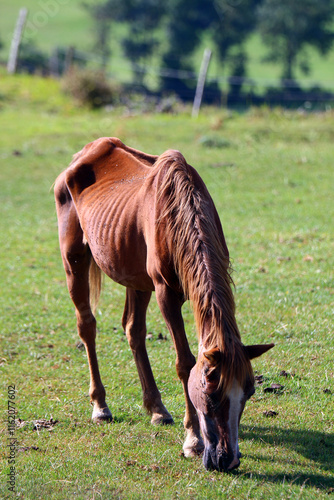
(223, 461)
(209, 459)
(234, 464)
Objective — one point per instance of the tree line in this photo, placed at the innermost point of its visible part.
(176, 28)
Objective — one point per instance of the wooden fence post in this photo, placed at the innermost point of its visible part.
(16, 40)
(68, 59)
(201, 82)
(54, 63)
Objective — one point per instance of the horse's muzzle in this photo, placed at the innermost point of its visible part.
(215, 459)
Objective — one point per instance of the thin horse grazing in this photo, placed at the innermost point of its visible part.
(149, 223)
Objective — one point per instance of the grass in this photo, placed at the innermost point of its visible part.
(270, 174)
(57, 23)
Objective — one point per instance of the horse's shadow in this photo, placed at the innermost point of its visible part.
(315, 446)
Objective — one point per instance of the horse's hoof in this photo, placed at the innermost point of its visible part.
(194, 448)
(158, 419)
(102, 415)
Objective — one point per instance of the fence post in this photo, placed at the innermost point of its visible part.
(16, 40)
(68, 59)
(201, 82)
(54, 63)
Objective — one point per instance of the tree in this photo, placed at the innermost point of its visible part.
(101, 14)
(141, 40)
(229, 23)
(187, 20)
(287, 28)
(141, 18)
(237, 19)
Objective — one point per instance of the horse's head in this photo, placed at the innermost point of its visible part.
(219, 400)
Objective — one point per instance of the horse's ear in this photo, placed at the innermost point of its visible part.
(253, 351)
(213, 356)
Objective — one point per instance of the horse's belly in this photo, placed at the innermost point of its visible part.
(121, 253)
(127, 275)
(113, 223)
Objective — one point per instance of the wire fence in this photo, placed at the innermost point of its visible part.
(163, 72)
(153, 78)
(220, 88)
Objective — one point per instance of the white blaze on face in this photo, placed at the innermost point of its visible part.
(203, 426)
(235, 396)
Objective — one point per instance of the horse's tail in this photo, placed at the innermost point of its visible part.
(95, 284)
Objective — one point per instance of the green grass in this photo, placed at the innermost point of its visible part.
(270, 174)
(57, 23)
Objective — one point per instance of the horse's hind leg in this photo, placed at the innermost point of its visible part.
(134, 324)
(76, 259)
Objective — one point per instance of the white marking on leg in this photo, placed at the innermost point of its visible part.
(101, 414)
(236, 395)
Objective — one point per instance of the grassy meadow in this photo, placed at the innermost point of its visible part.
(270, 174)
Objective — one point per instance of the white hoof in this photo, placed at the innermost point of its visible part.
(193, 446)
(159, 419)
(102, 415)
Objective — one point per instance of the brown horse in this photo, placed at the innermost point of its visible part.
(149, 223)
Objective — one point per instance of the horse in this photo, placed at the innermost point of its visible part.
(149, 223)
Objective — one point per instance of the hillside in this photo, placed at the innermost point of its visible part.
(63, 23)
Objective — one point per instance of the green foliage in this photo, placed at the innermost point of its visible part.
(67, 24)
(237, 21)
(32, 59)
(187, 23)
(270, 177)
(102, 27)
(287, 27)
(141, 17)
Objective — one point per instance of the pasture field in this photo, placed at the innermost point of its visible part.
(270, 174)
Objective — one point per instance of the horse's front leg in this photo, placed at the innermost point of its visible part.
(134, 324)
(170, 306)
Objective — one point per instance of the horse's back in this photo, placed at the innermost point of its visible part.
(105, 162)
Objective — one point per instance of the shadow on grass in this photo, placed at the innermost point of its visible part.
(313, 445)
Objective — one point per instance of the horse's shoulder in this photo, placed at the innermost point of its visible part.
(103, 161)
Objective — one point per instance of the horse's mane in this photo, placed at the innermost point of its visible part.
(201, 260)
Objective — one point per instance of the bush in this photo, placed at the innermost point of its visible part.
(90, 87)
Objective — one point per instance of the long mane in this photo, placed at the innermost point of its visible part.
(201, 260)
